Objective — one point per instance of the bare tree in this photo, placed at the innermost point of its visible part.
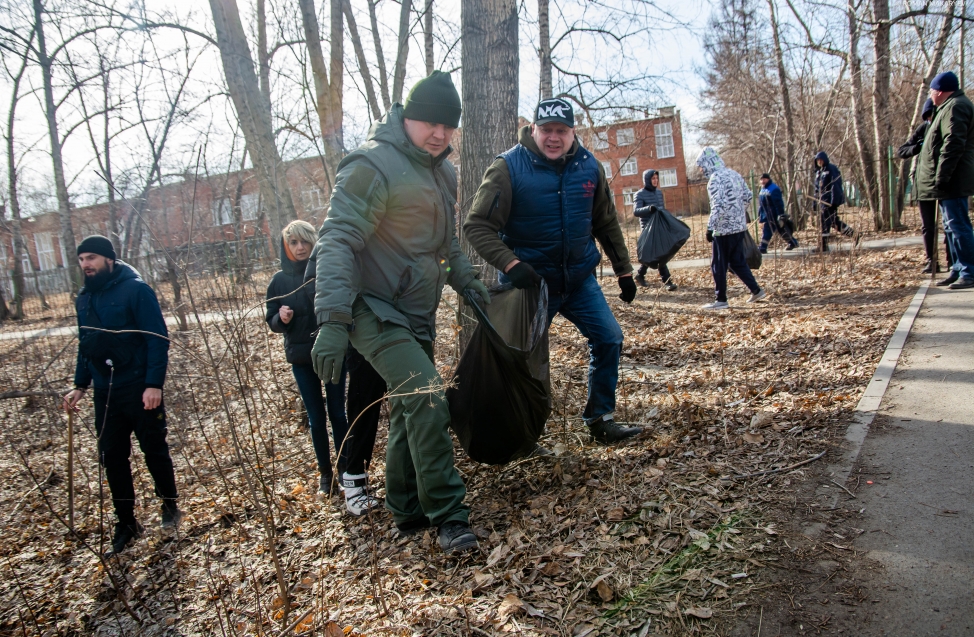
(544, 49)
(786, 108)
(428, 36)
(380, 57)
(327, 81)
(402, 51)
(363, 64)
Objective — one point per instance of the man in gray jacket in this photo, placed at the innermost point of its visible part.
(383, 255)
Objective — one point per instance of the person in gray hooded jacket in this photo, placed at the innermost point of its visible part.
(649, 197)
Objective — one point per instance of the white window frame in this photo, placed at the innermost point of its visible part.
(250, 206)
(312, 199)
(600, 141)
(628, 167)
(664, 140)
(44, 245)
(625, 137)
(667, 178)
(629, 196)
(221, 211)
(607, 165)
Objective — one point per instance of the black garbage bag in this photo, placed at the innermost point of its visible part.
(661, 239)
(752, 254)
(502, 398)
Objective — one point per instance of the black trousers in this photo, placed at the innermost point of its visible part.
(365, 387)
(664, 272)
(928, 218)
(118, 414)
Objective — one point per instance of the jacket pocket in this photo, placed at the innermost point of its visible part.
(404, 280)
(382, 348)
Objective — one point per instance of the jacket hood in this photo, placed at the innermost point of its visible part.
(121, 272)
(823, 156)
(709, 161)
(524, 139)
(292, 268)
(648, 180)
(389, 129)
(928, 109)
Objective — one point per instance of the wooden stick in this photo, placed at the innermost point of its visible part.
(71, 470)
(770, 471)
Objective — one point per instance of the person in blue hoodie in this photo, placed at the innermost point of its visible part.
(647, 198)
(829, 195)
(772, 206)
(128, 371)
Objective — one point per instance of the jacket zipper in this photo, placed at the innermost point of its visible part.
(388, 345)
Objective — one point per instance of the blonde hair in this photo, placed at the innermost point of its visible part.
(301, 230)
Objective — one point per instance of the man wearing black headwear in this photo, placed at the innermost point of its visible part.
(128, 371)
(928, 207)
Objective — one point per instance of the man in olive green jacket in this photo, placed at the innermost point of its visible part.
(946, 172)
(383, 255)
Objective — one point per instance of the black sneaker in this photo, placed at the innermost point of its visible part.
(609, 431)
(962, 284)
(540, 452)
(412, 527)
(326, 485)
(456, 537)
(124, 533)
(171, 515)
(641, 280)
(951, 278)
(672, 287)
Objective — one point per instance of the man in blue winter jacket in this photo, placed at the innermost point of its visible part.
(536, 216)
(128, 370)
(772, 206)
(829, 195)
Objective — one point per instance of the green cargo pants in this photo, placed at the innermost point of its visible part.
(420, 476)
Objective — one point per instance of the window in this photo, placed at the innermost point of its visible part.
(222, 213)
(667, 178)
(664, 140)
(628, 166)
(312, 199)
(625, 137)
(600, 141)
(45, 251)
(607, 165)
(250, 206)
(629, 196)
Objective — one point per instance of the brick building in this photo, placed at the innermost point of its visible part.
(629, 147)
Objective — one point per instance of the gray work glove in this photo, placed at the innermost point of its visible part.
(328, 352)
(477, 286)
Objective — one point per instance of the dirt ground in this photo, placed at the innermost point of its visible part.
(660, 536)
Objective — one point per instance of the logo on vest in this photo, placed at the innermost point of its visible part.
(589, 188)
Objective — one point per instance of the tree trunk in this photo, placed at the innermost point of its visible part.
(67, 238)
(544, 49)
(328, 93)
(882, 125)
(858, 113)
(790, 179)
(402, 52)
(254, 117)
(107, 167)
(263, 58)
(363, 63)
(379, 56)
(19, 248)
(489, 30)
(428, 36)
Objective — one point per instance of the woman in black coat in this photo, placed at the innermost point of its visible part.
(290, 311)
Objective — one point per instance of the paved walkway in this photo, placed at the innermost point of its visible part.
(171, 322)
(918, 512)
(876, 244)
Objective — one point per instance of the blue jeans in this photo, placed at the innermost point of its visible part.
(309, 385)
(728, 253)
(960, 235)
(585, 306)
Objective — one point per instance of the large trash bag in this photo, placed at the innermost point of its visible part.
(751, 252)
(661, 239)
(502, 398)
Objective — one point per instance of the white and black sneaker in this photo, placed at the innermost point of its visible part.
(358, 500)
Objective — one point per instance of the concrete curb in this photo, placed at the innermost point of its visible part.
(865, 412)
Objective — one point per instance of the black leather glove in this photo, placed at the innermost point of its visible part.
(710, 236)
(653, 209)
(628, 287)
(523, 276)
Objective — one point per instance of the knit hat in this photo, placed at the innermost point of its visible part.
(928, 109)
(766, 176)
(946, 81)
(97, 244)
(434, 99)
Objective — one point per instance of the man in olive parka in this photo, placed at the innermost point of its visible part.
(383, 255)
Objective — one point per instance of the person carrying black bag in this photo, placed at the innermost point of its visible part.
(647, 197)
(128, 371)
